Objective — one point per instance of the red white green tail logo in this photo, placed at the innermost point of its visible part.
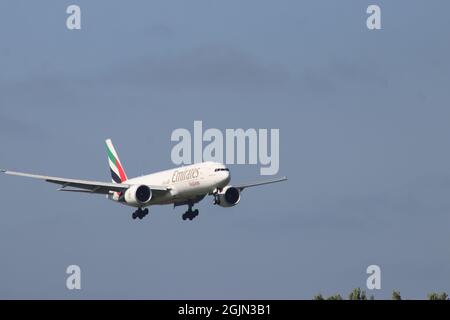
(117, 173)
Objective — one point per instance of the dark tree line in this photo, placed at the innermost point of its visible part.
(358, 294)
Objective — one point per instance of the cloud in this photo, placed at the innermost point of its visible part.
(203, 68)
(12, 128)
(358, 72)
(160, 30)
(420, 202)
(340, 73)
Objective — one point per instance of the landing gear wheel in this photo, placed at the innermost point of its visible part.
(139, 213)
(216, 197)
(190, 214)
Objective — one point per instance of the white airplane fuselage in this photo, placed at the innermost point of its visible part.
(181, 186)
(185, 183)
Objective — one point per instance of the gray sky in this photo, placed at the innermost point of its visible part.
(363, 119)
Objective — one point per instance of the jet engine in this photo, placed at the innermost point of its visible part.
(229, 197)
(138, 195)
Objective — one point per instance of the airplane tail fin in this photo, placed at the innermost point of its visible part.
(117, 173)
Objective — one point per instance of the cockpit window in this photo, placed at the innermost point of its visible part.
(222, 169)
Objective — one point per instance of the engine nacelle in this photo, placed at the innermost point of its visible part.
(138, 195)
(229, 197)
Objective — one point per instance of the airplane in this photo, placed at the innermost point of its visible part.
(185, 185)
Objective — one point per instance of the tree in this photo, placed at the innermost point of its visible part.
(396, 295)
(335, 297)
(357, 294)
(318, 297)
(438, 296)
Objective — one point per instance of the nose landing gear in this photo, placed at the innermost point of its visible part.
(216, 197)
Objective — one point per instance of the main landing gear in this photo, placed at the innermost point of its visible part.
(190, 214)
(139, 213)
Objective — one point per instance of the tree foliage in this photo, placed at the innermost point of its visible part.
(335, 297)
(359, 294)
(396, 295)
(318, 297)
(438, 296)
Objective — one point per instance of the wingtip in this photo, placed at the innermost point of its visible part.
(3, 170)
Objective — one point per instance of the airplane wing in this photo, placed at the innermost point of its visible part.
(259, 183)
(83, 185)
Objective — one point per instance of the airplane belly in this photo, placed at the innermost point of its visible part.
(193, 188)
